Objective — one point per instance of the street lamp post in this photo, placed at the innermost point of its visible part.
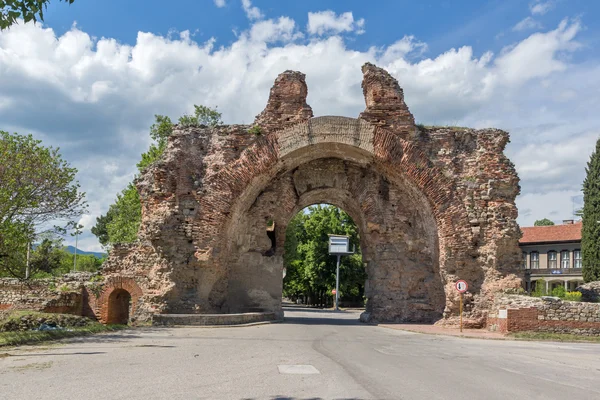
(78, 231)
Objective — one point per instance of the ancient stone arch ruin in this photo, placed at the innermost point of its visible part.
(433, 205)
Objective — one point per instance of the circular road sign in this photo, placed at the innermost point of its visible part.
(462, 286)
(332, 291)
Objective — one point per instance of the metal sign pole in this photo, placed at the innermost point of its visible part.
(337, 283)
(461, 301)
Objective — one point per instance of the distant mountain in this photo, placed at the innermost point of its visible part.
(71, 249)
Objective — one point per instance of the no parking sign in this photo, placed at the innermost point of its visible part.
(462, 286)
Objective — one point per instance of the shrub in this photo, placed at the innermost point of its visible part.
(559, 291)
(514, 291)
(255, 130)
(540, 288)
(573, 296)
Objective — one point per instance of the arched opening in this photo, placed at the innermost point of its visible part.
(119, 302)
(398, 233)
(310, 271)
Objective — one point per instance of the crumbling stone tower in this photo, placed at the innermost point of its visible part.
(433, 205)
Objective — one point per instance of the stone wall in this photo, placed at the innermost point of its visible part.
(82, 294)
(512, 313)
(590, 291)
(433, 205)
(43, 295)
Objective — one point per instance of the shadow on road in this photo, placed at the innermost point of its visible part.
(315, 316)
(306, 398)
(322, 321)
(79, 353)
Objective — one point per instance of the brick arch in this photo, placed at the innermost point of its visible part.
(111, 285)
(348, 138)
(200, 193)
(362, 144)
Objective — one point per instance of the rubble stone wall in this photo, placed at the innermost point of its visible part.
(41, 295)
(82, 294)
(523, 313)
(433, 205)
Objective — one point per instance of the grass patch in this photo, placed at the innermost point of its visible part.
(555, 337)
(28, 337)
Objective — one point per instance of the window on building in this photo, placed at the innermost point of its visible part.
(577, 259)
(552, 261)
(564, 259)
(535, 260)
(524, 260)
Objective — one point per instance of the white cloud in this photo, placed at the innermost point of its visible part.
(220, 3)
(540, 7)
(96, 98)
(526, 24)
(252, 13)
(328, 22)
(272, 31)
(539, 54)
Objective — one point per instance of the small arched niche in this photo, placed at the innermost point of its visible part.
(119, 304)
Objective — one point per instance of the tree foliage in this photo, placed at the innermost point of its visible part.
(48, 258)
(14, 239)
(543, 222)
(310, 270)
(540, 288)
(127, 215)
(28, 10)
(202, 116)
(122, 220)
(36, 187)
(590, 232)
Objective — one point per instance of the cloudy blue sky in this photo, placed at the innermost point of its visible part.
(90, 78)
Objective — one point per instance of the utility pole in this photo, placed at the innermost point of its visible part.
(27, 264)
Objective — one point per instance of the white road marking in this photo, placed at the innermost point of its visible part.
(297, 369)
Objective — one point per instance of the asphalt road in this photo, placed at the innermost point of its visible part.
(312, 355)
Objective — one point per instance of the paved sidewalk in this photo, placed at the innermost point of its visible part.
(440, 330)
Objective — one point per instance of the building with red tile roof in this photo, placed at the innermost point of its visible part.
(569, 232)
(552, 254)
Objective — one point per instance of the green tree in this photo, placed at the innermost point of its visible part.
(15, 237)
(590, 231)
(127, 216)
(310, 269)
(85, 262)
(540, 288)
(44, 259)
(122, 220)
(543, 222)
(36, 187)
(47, 257)
(101, 227)
(202, 116)
(29, 10)
(159, 132)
